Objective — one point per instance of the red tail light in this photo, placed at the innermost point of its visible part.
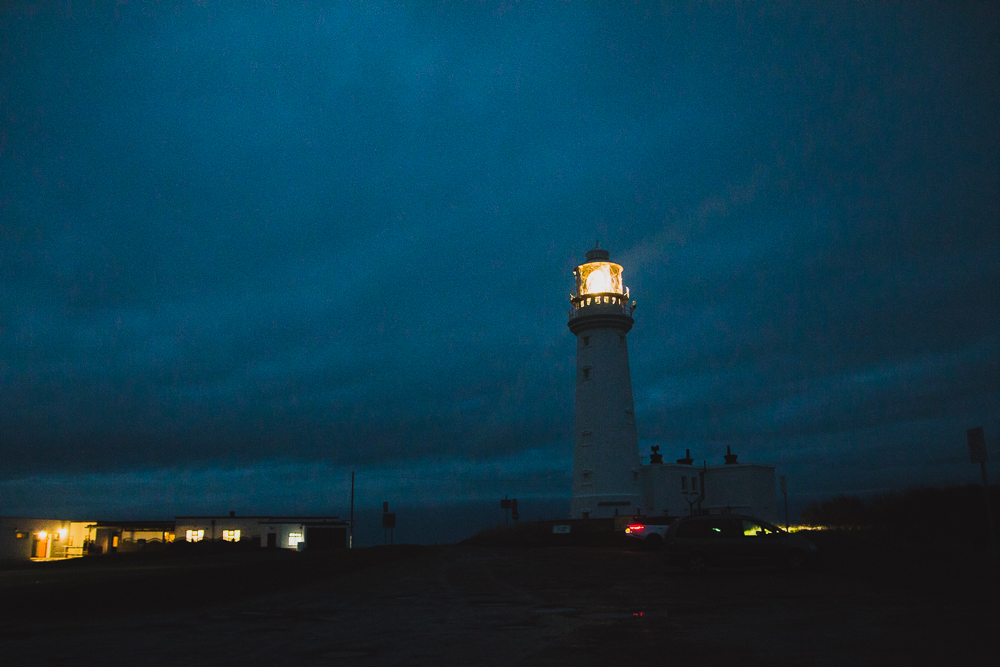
(634, 529)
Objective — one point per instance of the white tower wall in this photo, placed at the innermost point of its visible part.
(606, 447)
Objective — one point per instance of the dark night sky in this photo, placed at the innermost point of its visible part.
(246, 251)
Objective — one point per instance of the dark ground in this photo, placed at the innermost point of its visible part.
(871, 602)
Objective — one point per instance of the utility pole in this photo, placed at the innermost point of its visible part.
(784, 492)
(388, 523)
(977, 454)
(350, 539)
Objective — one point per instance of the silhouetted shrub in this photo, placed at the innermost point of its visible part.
(955, 514)
(839, 512)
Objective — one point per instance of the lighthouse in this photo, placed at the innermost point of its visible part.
(606, 447)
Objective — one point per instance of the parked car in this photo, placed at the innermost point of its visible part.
(650, 530)
(698, 542)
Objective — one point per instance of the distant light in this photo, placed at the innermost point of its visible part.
(62, 533)
(635, 528)
(42, 535)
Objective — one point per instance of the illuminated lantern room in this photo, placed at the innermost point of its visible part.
(599, 288)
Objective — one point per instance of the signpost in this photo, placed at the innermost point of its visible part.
(511, 507)
(977, 454)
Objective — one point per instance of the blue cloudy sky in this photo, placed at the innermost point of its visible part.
(247, 250)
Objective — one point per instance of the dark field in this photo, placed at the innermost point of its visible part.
(871, 602)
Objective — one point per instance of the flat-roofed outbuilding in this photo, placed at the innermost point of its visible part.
(287, 532)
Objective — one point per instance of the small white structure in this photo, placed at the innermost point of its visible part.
(606, 447)
(680, 489)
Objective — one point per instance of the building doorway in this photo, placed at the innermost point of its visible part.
(40, 545)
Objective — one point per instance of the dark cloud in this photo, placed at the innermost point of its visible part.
(343, 236)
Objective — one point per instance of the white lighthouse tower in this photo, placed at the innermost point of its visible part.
(606, 447)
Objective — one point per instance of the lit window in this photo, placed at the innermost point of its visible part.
(588, 301)
(294, 539)
(195, 535)
(231, 535)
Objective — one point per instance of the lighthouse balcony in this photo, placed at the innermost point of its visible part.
(610, 303)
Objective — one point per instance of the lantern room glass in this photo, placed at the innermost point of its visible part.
(599, 278)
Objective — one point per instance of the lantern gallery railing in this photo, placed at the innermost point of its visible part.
(601, 303)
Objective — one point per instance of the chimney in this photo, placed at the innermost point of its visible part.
(687, 460)
(656, 457)
(232, 513)
(730, 457)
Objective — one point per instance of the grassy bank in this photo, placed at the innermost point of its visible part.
(173, 579)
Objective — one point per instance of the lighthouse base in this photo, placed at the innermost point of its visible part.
(604, 506)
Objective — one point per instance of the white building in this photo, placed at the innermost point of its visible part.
(606, 447)
(287, 532)
(24, 538)
(108, 537)
(47, 539)
(682, 488)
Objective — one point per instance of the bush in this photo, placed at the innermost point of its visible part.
(934, 514)
(839, 512)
